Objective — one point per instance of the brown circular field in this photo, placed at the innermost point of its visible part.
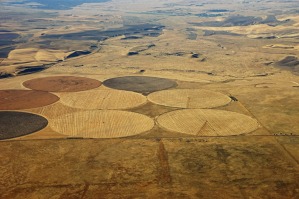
(207, 122)
(189, 98)
(25, 99)
(62, 84)
(102, 124)
(140, 84)
(103, 99)
(16, 124)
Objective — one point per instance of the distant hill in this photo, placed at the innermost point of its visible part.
(55, 4)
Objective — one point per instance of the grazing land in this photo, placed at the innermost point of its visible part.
(149, 99)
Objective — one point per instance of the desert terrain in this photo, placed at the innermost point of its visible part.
(159, 99)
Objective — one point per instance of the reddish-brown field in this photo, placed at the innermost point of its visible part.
(62, 84)
(25, 99)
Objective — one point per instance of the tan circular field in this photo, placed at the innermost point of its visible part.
(25, 99)
(189, 98)
(207, 122)
(62, 84)
(103, 99)
(102, 124)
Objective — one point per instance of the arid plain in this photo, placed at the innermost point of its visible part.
(159, 99)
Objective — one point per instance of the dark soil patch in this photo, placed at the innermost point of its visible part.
(5, 75)
(289, 61)
(218, 10)
(131, 37)
(29, 70)
(5, 51)
(16, 124)
(211, 32)
(196, 55)
(132, 53)
(239, 20)
(78, 53)
(207, 15)
(234, 98)
(140, 84)
(62, 84)
(25, 99)
(192, 35)
(1, 30)
(7, 38)
(100, 35)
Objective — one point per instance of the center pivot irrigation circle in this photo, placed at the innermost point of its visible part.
(207, 122)
(103, 99)
(140, 84)
(189, 98)
(62, 84)
(102, 124)
(25, 99)
(16, 124)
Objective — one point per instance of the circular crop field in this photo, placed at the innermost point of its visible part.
(103, 99)
(16, 124)
(207, 122)
(25, 99)
(102, 124)
(62, 84)
(140, 84)
(189, 98)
